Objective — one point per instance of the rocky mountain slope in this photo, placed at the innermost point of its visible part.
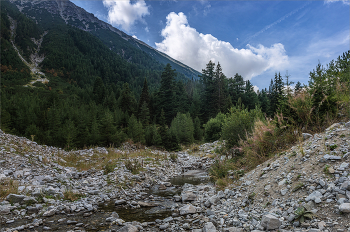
(53, 11)
(305, 188)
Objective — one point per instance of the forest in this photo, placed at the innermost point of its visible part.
(95, 97)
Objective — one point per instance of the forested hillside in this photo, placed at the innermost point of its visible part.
(94, 96)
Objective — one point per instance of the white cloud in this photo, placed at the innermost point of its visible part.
(146, 29)
(195, 49)
(135, 37)
(125, 13)
(347, 2)
(256, 88)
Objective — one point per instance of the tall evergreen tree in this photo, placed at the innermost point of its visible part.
(166, 93)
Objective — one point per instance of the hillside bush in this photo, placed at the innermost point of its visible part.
(182, 128)
(213, 128)
(238, 123)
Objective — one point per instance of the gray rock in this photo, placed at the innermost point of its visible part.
(345, 208)
(128, 228)
(187, 209)
(49, 212)
(331, 157)
(313, 196)
(347, 124)
(5, 209)
(209, 227)
(188, 196)
(306, 136)
(31, 210)
(120, 202)
(270, 222)
(164, 226)
(233, 229)
(14, 198)
(284, 191)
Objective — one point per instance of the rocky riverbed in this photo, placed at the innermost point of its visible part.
(67, 191)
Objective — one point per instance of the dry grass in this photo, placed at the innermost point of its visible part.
(71, 196)
(100, 161)
(8, 186)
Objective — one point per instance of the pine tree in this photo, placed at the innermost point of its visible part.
(126, 101)
(207, 79)
(144, 97)
(166, 93)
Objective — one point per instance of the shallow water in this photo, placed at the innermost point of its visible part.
(194, 177)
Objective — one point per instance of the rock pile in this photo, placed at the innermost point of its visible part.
(305, 188)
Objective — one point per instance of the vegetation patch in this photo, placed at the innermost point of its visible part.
(8, 186)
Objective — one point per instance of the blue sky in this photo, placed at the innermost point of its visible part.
(252, 38)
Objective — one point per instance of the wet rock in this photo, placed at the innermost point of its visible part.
(120, 202)
(128, 228)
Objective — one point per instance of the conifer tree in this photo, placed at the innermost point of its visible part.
(166, 93)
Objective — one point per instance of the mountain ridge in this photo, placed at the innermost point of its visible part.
(78, 17)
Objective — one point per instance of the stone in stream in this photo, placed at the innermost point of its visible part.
(120, 202)
(128, 228)
(162, 187)
(147, 204)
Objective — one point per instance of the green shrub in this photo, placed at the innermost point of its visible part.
(213, 128)
(238, 123)
(182, 128)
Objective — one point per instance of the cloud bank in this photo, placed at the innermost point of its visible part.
(195, 49)
(124, 13)
(347, 2)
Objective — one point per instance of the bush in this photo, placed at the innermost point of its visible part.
(182, 128)
(238, 123)
(213, 128)
(134, 166)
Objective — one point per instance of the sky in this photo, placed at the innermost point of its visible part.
(255, 39)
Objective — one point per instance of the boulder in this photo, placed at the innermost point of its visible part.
(188, 196)
(187, 209)
(345, 208)
(128, 228)
(270, 222)
(306, 136)
(14, 198)
(233, 229)
(209, 227)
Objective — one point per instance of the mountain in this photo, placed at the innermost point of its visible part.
(49, 12)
